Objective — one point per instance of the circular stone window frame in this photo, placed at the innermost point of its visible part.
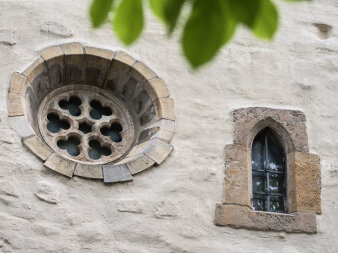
(152, 141)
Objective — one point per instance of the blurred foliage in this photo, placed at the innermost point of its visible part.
(207, 27)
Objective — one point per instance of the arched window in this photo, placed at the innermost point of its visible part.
(268, 173)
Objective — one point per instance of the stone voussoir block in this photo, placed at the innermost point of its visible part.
(165, 107)
(51, 52)
(116, 173)
(88, 171)
(124, 58)
(18, 83)
(61, 165)
(15, 105)
(35, 69)
(158, 150)
(72, 48)
(103, 53)
(157, 88)
(144, 70)
(39, 148)
(140, 163)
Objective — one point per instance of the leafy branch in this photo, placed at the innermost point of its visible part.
(207, 28)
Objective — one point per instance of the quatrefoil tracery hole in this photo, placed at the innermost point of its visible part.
(70, 145)
(97, 150)
(85, 125)
(98, 110)
(55, 124)
(72, 105)
(114, 132)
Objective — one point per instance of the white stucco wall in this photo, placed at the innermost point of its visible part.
(170, 208)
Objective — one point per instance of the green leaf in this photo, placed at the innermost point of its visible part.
(158, 6)
(204, 32)
(245, 10)
(266, 23)
(171, 12)
(229, 20)
(128, 22)
(99, 10)
(168, 11)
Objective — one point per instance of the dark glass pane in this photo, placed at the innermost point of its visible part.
(260, 203)
(276, 183)
(258, 181)
(275, 153)
(257, 155)
(277, 204)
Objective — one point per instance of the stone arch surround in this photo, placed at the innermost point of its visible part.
(140, 91)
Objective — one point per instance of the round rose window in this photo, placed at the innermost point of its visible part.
(92, 112)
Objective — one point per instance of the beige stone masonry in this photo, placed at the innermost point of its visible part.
(103, 53)
(61, 165)
(39, 148)
(307, 182)
(14, 104)
(139, 164)
(165, 108)
(237, 181)
(124, 58)
(88, 171)
(158, 150)
(157, 88)
(144, 70)
(35, 69)
(18, 83)
(72, 48)
(51, 52)
(243, 217)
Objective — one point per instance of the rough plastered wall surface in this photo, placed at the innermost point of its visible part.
(170, 208)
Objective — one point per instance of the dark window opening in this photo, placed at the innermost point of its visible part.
(268, 173)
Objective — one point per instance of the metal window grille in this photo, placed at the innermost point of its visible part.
(268, 173)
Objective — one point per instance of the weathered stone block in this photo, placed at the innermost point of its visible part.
(307, 182)
(38, 76)
(51, 52)
(289, 124)
(72, 48)
(157, 88)
(243, 217)
(14, 104)
(237, 187)
(20, 125)
(61, 165)
(35, 69)
(116, 173)
(144, 70)
(88, 171)
(165, 107)
(18, 83)
(103, 53)
(158, 150)
(140, 163)
(124, 58)
(39, 148)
